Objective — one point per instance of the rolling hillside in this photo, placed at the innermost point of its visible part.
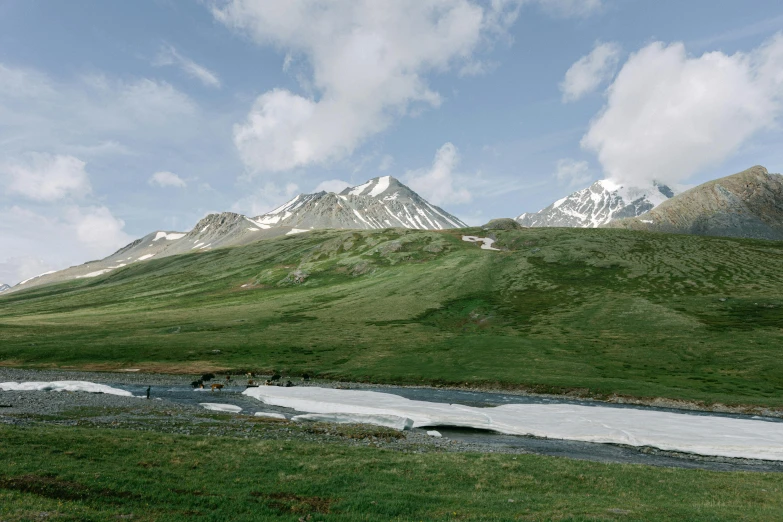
(594, 311)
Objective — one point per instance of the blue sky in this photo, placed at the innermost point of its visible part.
(118, 118)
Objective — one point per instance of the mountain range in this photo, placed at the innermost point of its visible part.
(382, 202)
(598, 204)
(747, 204)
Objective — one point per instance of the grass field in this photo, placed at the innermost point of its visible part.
(593, 311)
(56, 473)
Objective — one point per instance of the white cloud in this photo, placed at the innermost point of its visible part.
(97, 228)
(68, 117)
(669, 115)
(168, 55)
(332, 185)
(35, 242)
(167, 179)
(267, 197)
(436, 184)
(46, 177)
(587, 73)
(572, 173)
(369, 60)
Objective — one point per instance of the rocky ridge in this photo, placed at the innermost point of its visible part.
(382, 202)
(598, 204)
(747, 204)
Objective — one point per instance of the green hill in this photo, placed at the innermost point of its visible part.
(591, 311)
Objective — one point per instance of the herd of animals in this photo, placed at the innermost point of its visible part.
(275, 380)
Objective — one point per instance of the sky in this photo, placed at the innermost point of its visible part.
(121, 118)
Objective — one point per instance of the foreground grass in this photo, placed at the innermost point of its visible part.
(596, 311)
(101, 474)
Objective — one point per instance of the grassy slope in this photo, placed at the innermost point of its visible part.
(102, 474)
(611, 311)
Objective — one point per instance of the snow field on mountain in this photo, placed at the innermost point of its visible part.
(699, 434)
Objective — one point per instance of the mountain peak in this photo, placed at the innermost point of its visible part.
(4, 287)
(746, 204)
(381, 202)
(601, 202)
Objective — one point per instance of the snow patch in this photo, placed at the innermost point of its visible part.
(269, 415)
(169, 236)
(699, 434)
(94, 274)
(434, 433)
(296, 231)
(216, 406)
(36, 277)
(146, 256)
(59, 386)
(486, 242)
(380, 187)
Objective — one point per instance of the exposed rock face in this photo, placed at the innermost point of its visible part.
(600, 203)
(381, 202)
(747, 204)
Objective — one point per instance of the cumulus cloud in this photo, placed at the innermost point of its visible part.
(97, 228)
(332, 185)
(36, 242)
(41, 113)
(572, 173)
(168, 55)
(47, 177)
(587, 73)
(669, 115)
(368, 59)
(436, 184)
(167, 179)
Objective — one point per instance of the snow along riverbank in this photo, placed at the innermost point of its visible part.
(59, 386)
(698, 434)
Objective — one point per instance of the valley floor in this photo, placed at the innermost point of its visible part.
(79, 456)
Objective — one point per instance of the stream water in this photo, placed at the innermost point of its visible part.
(492, 441)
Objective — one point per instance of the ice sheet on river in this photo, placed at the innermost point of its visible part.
(699, 434)
(71, 386)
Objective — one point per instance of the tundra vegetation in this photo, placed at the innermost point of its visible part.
(591, 312)
(76, 473)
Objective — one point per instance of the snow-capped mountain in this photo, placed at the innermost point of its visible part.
(381, 202)
(4, 287)
(600, 203)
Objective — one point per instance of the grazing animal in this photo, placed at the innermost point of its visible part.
(197, 384)
(217, 386)
(288, 384)
(207, 377)
(267, 383)
(276, 377)
(305, 377)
